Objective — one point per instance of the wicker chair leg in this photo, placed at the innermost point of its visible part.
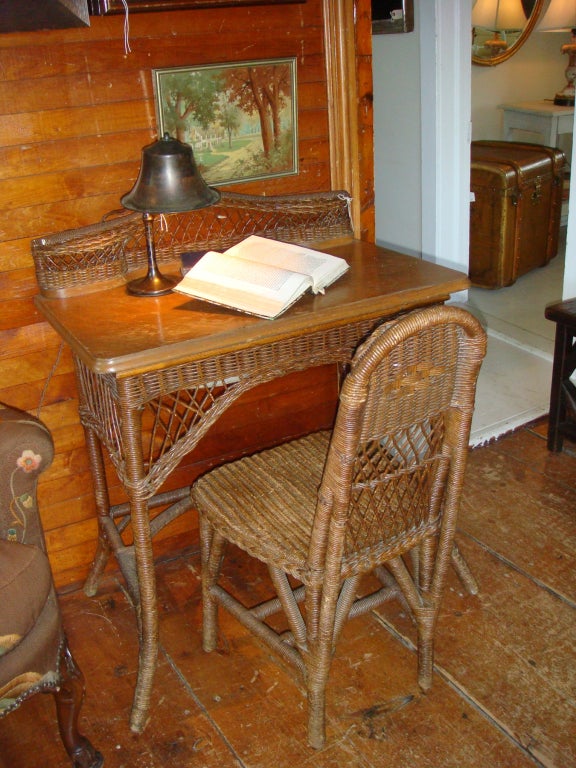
(212, 547)
(209, 622)
(68, 698)
(317, 672)
(463, 570)
(425, 654)
(317, 716)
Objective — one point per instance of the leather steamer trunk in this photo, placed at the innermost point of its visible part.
(515, 209)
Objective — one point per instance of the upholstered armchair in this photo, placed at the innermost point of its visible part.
(34, 654)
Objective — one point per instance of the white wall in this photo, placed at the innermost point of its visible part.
(569, 290)
(445, 139)
(421, 129)
(397, 121)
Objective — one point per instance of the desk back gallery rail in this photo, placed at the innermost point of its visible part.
(106, 254)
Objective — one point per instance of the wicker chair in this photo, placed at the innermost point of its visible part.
(330, 507)
(34, 655)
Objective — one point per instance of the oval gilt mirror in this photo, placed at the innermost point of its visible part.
(501, 27)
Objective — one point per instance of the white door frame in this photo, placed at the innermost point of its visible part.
(445, 144)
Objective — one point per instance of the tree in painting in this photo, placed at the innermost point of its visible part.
(263, 89)
(188, 96)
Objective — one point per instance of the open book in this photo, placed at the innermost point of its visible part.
(261, 276)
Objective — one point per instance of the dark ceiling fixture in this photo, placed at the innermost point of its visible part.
(19, 16)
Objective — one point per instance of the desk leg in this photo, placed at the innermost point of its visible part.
(146, 577)
(562, 390)
(147, 614)
(103, 509)
(551, 137)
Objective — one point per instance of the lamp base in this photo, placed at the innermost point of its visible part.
(562, 100)
(152, 285)
(496, 44)
(565, 97)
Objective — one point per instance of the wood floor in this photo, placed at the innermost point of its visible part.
(505, 684)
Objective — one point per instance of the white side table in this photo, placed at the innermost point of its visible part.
(542, 117)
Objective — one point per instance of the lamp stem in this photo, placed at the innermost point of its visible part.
(566, 96)
(148, 220)
(154, 284)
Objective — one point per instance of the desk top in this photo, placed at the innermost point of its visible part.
(538, 108)
(113, 332)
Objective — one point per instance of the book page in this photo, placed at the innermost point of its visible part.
(260, 289)
(322, 268)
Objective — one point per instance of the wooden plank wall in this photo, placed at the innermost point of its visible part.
(76, 107)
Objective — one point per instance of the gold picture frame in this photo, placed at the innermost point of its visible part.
(105, 7)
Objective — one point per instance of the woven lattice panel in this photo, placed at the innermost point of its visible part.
(293, 218)
(85, 259)
(88, 256)
(179, 404)
(403, 453)
(391, 499)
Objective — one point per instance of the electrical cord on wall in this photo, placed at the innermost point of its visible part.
(127, 48)
(49, 378)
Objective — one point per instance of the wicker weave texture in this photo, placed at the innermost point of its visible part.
(179, 405)
(90, 258)
(329, 508)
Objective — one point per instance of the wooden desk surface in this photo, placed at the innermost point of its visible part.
(113, 332)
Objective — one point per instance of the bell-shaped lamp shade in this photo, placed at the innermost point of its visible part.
(168, 182)
(561, 17)
(499, 15)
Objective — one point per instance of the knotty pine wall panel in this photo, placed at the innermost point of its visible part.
(76, 108)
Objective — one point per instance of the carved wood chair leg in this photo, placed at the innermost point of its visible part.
(68, 698)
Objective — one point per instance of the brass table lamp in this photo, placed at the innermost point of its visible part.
(560, 16)
(168, 182)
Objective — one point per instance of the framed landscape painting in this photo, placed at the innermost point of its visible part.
(240, 119)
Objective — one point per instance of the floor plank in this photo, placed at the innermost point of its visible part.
(505, 680)
(520, 502)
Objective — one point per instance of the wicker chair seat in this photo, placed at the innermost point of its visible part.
(278, 488)
(265, 504)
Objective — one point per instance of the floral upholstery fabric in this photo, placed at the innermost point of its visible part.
(25, 583)
(30, 625)
(26, 450)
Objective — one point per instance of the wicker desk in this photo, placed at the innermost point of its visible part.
(155, 373)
